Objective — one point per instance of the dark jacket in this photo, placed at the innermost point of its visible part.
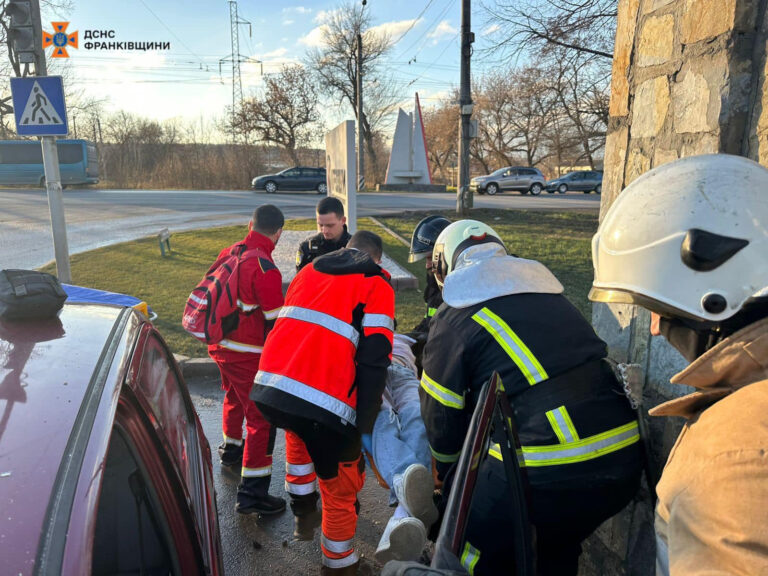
(317, 245)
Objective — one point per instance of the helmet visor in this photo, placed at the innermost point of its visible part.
(611, 296)
(416, 256)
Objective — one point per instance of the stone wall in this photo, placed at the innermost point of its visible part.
(688, 78)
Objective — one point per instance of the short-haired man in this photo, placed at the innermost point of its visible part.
(321, 378)
(259, 298)
(331, 232)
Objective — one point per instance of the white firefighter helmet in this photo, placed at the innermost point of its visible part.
(688, 239)
(456, 238)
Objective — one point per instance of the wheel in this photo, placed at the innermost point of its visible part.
(562, 189)
(536, 189)
(599, 189)
(322, 188)
(491, 189)
(270, 187)
(587, 191)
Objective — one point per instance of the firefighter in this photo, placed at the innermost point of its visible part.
(260, 296)
(321, 378)
(578, 432)
(331, 234)
(689, 242)
(422, 243)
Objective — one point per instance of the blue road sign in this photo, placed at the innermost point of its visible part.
(38, 105)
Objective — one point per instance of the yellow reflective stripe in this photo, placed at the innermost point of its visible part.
(445, 458)
(430, 312)
(562, 425)
(578, 451)
(470, 558)
(512, 344)
(441, 393)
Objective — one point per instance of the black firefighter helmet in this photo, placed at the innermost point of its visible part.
(425, 235)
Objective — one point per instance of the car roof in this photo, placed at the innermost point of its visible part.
(49, 368)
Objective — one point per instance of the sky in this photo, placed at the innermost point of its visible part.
(185, 82)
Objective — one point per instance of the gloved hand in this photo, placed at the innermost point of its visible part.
(367, 443)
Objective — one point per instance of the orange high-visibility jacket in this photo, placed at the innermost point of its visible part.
(326, 357)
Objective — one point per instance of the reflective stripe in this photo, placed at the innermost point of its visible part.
(306, 392)
(199, 335)
(240, 346)
(378, 321)
(336, 546)
(562, 425)
(441, 393)
(514, 347)
(301, 489)
(431, 312)
(246, 307)
(579, 451)
(256, 472)
(235, 441)
(445, 458)
(470, 557)
(340, 562)
(321, 319)
(299, 469)
(197, 300)
(272, 314)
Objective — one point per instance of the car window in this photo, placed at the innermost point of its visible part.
(292, 172)
(528, 172)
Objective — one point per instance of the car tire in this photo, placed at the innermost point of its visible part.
(270, 187)
(491, 189)
(587, 191)
(562, 189)
(322, 188)
(599, 189)
(536, 189)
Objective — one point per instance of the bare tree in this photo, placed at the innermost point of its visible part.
(286, 114)
(441, 126)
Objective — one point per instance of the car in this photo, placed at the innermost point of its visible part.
(104, 467)
(581, 180)
(296, 178)
(520, 178)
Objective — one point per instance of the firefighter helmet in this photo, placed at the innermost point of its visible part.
(424, 236)
(688, 239)
(454, 240)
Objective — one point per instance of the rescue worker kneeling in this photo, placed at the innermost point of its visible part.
(321, 378)
(579, 435)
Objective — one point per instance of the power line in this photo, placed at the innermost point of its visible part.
(170, 31)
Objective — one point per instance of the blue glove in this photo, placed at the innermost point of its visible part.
(367, 443)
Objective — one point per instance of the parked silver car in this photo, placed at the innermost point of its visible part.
(582, 180)
(520, 178)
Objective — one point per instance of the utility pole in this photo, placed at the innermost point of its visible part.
(360, 146)
(463, 195)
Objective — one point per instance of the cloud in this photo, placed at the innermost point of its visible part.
(275, 54)
(297, 9)
(323, 16)
(316, 37)
(288, 22)
(443, 29)
(491, 29)
(394, 30)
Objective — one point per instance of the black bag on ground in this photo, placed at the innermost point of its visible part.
(29, 294)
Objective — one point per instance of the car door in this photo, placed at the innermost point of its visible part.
(508, 179)
(578, 182)
(291, 179)
(593, 180)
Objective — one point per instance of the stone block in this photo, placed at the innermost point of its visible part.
(638, 164)
(650, 106)
(613, 165)
(657, 40)
(701, 144)
(664, 156)
(653, 5)
(691, 98)
(622, 56)
(705, 19)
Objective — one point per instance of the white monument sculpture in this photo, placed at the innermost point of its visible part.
(408, 162)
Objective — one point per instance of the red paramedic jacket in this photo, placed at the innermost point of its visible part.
(326, 358)
(260, 297)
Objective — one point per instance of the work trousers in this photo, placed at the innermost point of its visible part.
(237, 381)
(316, 451)
(563, 515)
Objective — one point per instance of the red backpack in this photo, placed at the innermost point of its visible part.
(211, 311)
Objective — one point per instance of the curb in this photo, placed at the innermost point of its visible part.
(196, 367)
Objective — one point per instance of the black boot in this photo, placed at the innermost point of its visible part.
(253, 497)
(306, 517)
(231, 455)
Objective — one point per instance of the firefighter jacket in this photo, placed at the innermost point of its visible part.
(433, 297)
(571, 415)
(326, 358)
(317, 245)
(259, 298)
(712, 516)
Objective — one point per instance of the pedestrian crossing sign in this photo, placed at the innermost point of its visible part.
(39, 107)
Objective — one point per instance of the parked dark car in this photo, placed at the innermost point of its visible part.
(520, 178)
(104, 467)
(582, 180)
(296, 178)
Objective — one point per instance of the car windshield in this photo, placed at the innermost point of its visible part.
(499, 171)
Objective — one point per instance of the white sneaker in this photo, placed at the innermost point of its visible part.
(414, 489)
(403, 539)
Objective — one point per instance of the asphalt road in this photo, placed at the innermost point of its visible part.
(101, 217)
(254, 545)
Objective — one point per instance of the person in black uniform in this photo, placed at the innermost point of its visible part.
(332, 232)
(578, 432)
(422, 242)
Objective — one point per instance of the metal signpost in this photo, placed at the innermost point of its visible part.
(340, 169)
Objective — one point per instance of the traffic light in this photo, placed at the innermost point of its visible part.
(21, 30)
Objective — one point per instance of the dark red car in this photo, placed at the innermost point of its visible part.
(104, 467)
